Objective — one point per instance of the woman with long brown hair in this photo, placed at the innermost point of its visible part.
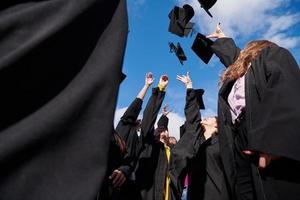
(259, 119)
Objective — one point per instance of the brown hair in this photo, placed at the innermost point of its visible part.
(250, 53)
(120, 142)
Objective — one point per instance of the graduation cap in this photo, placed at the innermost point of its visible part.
(179, 20)
(178, 51)
(207, 4)
(202, 47)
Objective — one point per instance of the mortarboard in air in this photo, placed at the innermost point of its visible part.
(179, 20)
(202, 47)
(207, 4)
(178, 51)
(199, 96)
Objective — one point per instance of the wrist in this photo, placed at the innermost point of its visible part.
(221, 35)
(189, 85)
(161, 87)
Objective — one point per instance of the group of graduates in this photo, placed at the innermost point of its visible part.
(60, 71)
(249, 151)
(146, 163)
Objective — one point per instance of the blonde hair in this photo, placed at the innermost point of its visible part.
(250, 53)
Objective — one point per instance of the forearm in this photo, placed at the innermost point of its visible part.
(226, 50)
(151, 111)
(143, 92)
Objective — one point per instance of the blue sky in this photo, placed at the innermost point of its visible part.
(148, 50)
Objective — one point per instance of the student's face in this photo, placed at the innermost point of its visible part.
(210, 122)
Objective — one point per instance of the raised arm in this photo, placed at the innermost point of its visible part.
(186, 149)
(133, 111)
(224, 47)
(153, 107)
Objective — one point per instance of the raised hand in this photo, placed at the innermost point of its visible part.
(163, 81)
(218, 33)
(149, 79)
(186, 80)
(165, 110)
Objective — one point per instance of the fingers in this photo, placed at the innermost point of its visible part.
(213, 35)
(248, 152)
(180, 78)
(264, 160)
(165, 106)
(169, 112)
(118, 178)
(149, 75)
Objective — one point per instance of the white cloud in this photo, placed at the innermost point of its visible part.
(243, 19)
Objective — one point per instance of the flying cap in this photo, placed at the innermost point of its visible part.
(202, 47)
(179, 20)
(207, 4)
(178, 51)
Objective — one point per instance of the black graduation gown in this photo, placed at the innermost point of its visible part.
(272, 117)
(126, 128)
(60, 72)
(198, 157)
(116, 160)
(152, 161)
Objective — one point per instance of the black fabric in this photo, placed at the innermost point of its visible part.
(151, 158)
(60, 72)
(163, 122)
(244, 187)
(275, 108)
(127, 129)
(199, 96)
(198, 157)
(226, 50)
(206, 5)
(202, 47)
(179, 20)
(115, 160)
(272, 114)
(178, 51)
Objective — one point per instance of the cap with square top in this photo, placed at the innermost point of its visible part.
(179, 20)
(206, 5)
(178, 51)
(202, 47)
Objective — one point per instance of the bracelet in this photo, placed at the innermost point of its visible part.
(161, 88)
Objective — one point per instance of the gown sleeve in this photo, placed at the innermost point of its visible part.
(226, 50)
(275, 120)
(187, 147)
